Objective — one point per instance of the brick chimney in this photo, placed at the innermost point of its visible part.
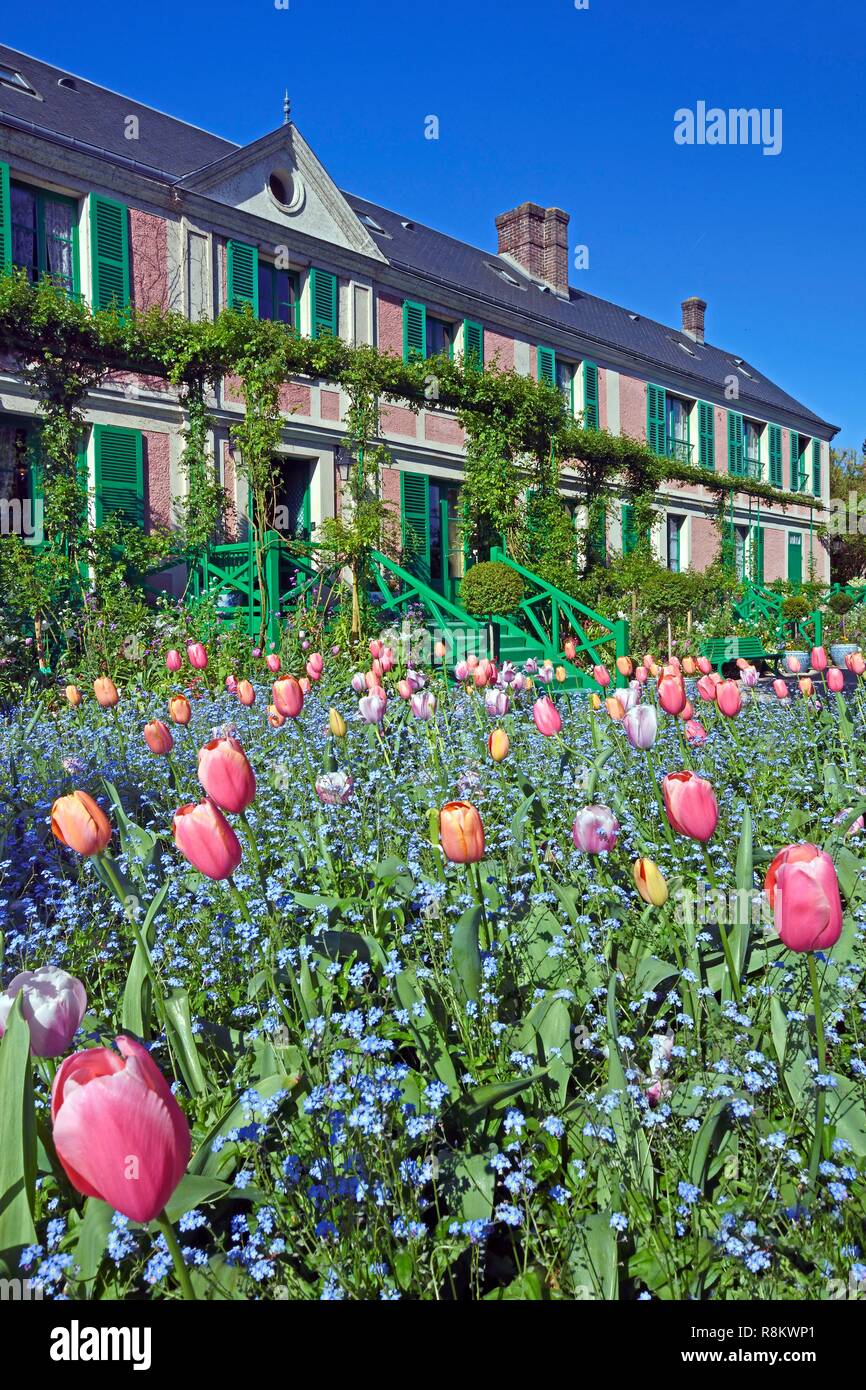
(537, 239)
(693, 318)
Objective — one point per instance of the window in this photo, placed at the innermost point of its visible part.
(674, 529)
(10, 77)
(798, 462)
(565, 382)
(751, 449)
(44, 235)
(678, 445)
(279, 295)
(440, 337)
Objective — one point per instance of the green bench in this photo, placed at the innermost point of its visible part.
(723, 650)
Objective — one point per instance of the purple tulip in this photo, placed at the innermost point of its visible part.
(359, 684)
(640, 724)
(595, 830)
(497, 703)
(423, 704)
(372, 709)
(53, 1004)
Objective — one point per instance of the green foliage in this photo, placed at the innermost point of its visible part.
(491, 589)
(795, 607)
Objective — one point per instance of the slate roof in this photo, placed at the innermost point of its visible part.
(169, 148)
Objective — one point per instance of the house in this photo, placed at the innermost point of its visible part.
(124, 203)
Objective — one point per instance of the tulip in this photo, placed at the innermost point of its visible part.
(856, 663)
(376, 649)
(704, 665)
(105, 691)
(336, 723)
(807, 689)
(835, 679)
(595, 830)
(781, 688)
(272, 661)
(601, 676)
(423, 704)
(173, 660)
(707, 688)
(373, 677)
(729, 699)
(498, 745)
(615, 708)
(52, 1002)
(226, 775)
(158, 737)
(80, 824)
(689, 668)
(405, 689)
(246, 694)
(546, 674)
(372, 708)
(792, 663)
(671, 692)
(306, 685)
(650, 882)
(387, 660)
(497, 703)
(624, 665)
(461, 833)
(288, 696)
(481, 676)
(749, 677)
(118, 1130)
(205, 838)
(334, 788)
(629, 696)
(73, 695)
(569, 646)
(359, 683)
(803, 892)
(275, 719)
(691, 805)
(641, 675)
(232, 685)
(819, 659)
(461, 671)
(314, 672)
(640, 726)
(179, 709)
(472, 661)
(695, 731)
(196, 655)
(547, 717)
(687, 712)
(595, 701)
(317, 661)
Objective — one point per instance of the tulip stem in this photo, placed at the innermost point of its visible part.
(479, 893)
(726, 945)
(821, 1100)
(251, 841)
(180, 1268)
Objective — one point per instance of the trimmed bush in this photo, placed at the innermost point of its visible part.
(491, 589)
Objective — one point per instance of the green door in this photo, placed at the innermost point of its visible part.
(415, 518)
(795, 558)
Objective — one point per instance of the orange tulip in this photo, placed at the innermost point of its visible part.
(226, 775)
(73, 695)
(179, 709)
(624, 665)
(288, 697)
(205, 838)
(498, 745)
(275, 719)
(158, 737)
(806, 687)
(105, 691)
(614, 708)
(246, 693)
(689, 665)
(78, 822)
(461, 833)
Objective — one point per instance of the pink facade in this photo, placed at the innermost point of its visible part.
(632, 406)
(329, 404)
(443, 429)
(148, 259)
(390, 336)
(157, 466)
(705, 542)
(396, 419)
(498, 349)
(775, 554)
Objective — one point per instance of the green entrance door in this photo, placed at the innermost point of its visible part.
(432, 540)
(795, 558)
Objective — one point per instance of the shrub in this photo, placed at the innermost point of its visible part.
(491, 589)
(794, 608)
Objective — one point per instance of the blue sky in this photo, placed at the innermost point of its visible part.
(560, 105)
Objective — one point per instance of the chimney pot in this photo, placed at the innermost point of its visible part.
(694, 310)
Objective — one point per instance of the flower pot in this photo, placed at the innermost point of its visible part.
(839, 651)
(803, 658)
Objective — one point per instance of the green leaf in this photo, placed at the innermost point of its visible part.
(423, 1028)
(707, 1140)
(137, 1002)
(206, 1161)
(90, 1246)
(631, 1140)
(483, 1098)
(466, 1183)
(592, 1258)
(739, 936)
(466, 955)
(183, 1044)
(17, 1135)
(195, 1191)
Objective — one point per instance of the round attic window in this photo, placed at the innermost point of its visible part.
(285, 189)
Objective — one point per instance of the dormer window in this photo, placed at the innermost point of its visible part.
(10, 77)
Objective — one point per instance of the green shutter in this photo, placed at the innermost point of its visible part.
(795, 461)
(795, 558)
(119, 474)
(590, 396)
(816, 467)
(706, 435)
(775, 442)
(473, 343)
(629, 530)
(758, 555)
(323, 303)
(414, 331)
(415, 518)
(5, 221)
(242, 276)
(109, 247)
(597, 540)
(547, 365)
(735, 443)
(656, 421)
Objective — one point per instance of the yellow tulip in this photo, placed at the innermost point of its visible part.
(650, 882)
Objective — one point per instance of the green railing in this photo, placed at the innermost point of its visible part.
(230, 570)
(399, 591)
(546, 612)
(679, 449)
(760, 605)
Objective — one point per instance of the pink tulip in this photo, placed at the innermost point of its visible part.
(118, 1130)
(671, 691)
(749, 677)
(375, 673)
(691, 805)
(856, 663)
(226, 775)
(53, 1004)
(595, 830)
(306, 685)
(372, 708)
(640, 726)
(641, 675)
(803, 891)
(158, 737)
(314, 673)
(246, 693)
(423, 704)
(835, 679)
(197, 656)
(729, 699)
(461, 671)
(472, 661)
(781, 688)
(288, 696)
(232, 685)
(376, 649)
(546, 716)
(173, 660)
(405, 688)
(704, 665)
(601, 676)
(273, 663)
(707, 688)
(359, 683)
(695, 731)
(205, 838)
(387, 660)
(792, 663)
(687, 712)
(819, 659)
(317, 661)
